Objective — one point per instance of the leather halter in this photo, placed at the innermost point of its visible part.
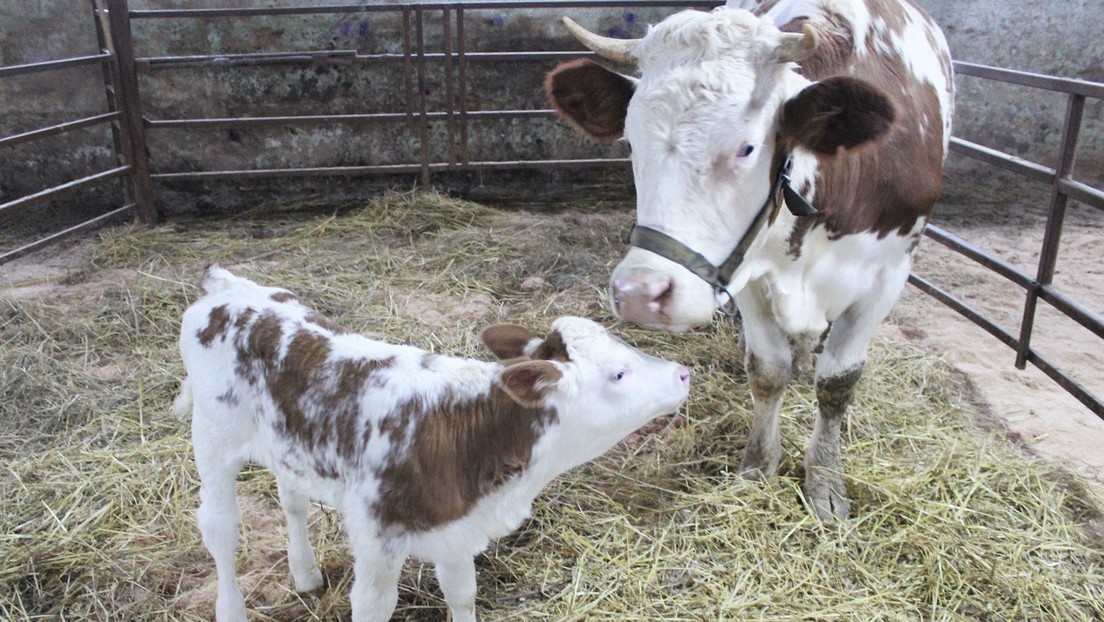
(669, 248)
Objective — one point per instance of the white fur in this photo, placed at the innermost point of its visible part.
(594, 412)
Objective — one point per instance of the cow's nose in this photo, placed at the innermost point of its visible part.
(639, 294)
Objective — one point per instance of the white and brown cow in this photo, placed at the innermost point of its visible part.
(424, 455)
(786, 159)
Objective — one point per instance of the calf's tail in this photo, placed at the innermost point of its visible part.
(182, 405)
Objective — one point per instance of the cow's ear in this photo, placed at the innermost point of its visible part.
(835, 113)
(528, 383)
(591, 98)
(507, 341)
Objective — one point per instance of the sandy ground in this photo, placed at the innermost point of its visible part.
(1006, 218)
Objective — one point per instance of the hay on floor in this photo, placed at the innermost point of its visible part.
(98, 488)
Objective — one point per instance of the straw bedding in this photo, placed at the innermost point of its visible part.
(951, 520)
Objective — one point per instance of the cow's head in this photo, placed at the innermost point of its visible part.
(716, 108)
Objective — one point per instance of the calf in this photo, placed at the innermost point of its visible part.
(424, 455)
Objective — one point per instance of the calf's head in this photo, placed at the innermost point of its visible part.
(600, 387)
(716, 109)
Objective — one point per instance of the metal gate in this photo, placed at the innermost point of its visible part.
(121, 69)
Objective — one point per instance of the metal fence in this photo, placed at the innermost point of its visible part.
(121, 69)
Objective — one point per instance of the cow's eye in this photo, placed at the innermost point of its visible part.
(745, 150)
(619, 375)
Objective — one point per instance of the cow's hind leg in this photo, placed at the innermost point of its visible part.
(768, 363)
(839, 367)
(301, 560)
(218, 517)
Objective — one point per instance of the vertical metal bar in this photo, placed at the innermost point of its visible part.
(103, 40)
(423, 121)
(408, 66)
(446, 27)
(462, 76)
(1048, 257)
(130, 105)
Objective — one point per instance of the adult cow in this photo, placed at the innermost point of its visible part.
(839, 105)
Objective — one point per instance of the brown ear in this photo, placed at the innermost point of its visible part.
(838, 112)
(527, 383)
(506, 341)
(591, 98)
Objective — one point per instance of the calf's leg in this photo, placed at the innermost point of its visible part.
(768, 365)
(218, 517)
(457, 579)
(376, 565)
(301, 560)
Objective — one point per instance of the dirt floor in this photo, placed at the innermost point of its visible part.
(1007, 217)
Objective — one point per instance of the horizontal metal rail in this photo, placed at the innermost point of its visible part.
(335, 57)
(391, 169)
(499, 5)
(53, 65)
(88, 225)
(996, 264)
(60, 128)
(11, 208)
(1071, 86)
(380, 117)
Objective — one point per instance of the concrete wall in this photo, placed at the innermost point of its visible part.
(1061, 38)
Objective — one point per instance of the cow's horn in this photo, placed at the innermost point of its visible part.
(797, 47)
(619, 50)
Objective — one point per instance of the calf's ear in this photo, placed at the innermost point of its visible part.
(836, 113)
(527, 383)
(506, 341)
(591, 98)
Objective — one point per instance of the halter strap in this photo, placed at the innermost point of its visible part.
(718, 277)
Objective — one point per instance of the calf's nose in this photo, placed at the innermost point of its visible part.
(684, 376)
(638, 295)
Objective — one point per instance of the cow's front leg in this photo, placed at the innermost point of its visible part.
(839, 367)
(768, 364)
(824, 487)
(377, 563)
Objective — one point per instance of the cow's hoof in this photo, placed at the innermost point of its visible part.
(757, 467)
(829, 500)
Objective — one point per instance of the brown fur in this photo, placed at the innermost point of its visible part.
(219, 320)
(591, 98)
(506, 341)
(460, 451)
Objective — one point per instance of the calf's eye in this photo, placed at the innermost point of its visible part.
(745, 150)
(619, 375)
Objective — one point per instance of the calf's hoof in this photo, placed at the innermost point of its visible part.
(310, 582)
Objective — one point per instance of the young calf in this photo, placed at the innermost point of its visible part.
(424, 455)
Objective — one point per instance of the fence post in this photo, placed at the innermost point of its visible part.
(1049, 254)
(130, 105)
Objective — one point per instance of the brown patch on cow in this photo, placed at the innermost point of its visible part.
(258, 348)
(217, 321)
(322, 321)
(427, 360)
(506, 341)
(887, 187)
(591, 98)
(766, 382)
(229, 398)
(835, 394)
(460, 451)
(284, 297)
(552, 348)
(244, 317)
(836, 113)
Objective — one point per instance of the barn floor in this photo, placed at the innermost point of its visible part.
(952, 518)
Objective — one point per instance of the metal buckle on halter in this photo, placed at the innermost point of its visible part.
(727, 307)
